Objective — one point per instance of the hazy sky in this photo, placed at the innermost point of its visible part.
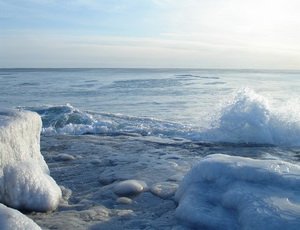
(150, 33)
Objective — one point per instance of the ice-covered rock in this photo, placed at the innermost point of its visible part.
(229, 192)
(20, 137)
(164, 190)
(13, 219)
(130, 187)
(124, 200)
(64, 157)
(26, 186)
(24, 176)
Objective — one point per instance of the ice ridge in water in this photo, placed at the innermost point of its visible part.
(229, 192)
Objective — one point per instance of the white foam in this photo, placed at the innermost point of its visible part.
(228, 192)
(24, 180)
(13, 219)
(250, 118)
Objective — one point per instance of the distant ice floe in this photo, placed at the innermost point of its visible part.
(13, 219)
(230, 192)
(25, 182)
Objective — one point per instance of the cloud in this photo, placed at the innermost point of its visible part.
(115, 51)
(216, 33)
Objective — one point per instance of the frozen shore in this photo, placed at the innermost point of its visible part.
(141, 182)
(129, 182)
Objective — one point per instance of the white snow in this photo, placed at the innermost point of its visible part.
(13, 219)
(24, 176)
(229, 192)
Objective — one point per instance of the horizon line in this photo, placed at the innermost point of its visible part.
(150, 68)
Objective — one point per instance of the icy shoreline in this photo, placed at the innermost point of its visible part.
(150, 170)
(140, 182)
(120, 182)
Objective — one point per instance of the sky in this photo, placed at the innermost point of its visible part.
(260, 34)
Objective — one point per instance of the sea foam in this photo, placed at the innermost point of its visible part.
(250, 118)
(229, 192)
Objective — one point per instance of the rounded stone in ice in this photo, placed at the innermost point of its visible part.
(129, 187)
(164, 190)
(124, 200)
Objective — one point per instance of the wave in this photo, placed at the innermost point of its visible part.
(245, 118)
(249, 118)
(65, 119)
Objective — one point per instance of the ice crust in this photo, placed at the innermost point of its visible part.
(13, 219)
(230, 192)
(24, 175)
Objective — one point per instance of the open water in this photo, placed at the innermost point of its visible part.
(106, 125)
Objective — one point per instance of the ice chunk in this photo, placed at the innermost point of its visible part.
(229, 192)
(20, 137)
(130, 187)
(24, 176)
(26, 186)
(13, 219)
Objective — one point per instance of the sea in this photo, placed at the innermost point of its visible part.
(105, 125)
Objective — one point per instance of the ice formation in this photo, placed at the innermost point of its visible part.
(229, 192)
(20, 137)
(24, 176)
(13, 219)
(129, 187)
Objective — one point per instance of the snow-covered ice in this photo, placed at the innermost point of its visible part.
(13, 219)
(20, 137)
(27, 187)
(25, 182)
(230, 192)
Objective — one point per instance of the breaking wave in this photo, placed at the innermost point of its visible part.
(245, 118)
(249, 118)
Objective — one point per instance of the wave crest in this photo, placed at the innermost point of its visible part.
(249, 118)
(245, 118)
